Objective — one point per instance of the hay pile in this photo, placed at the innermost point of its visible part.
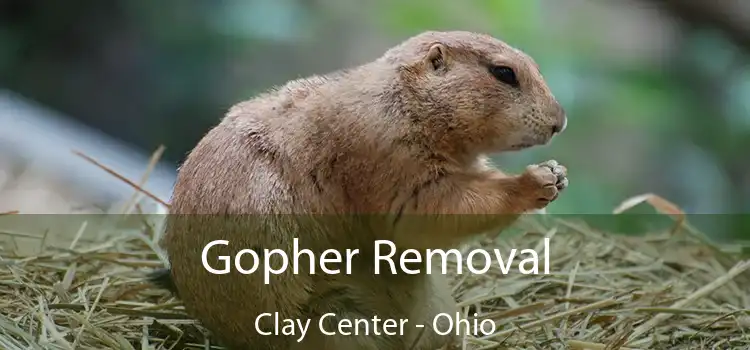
(668, 290)
(663, 291)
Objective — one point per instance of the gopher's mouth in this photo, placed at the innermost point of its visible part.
(529, 142)
(521, 146)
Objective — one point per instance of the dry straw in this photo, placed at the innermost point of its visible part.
(664, 290)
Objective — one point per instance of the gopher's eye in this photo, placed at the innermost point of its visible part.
(504, 74)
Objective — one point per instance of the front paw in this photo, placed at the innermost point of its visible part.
(542, 183)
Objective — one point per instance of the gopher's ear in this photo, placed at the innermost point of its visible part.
(436, 57)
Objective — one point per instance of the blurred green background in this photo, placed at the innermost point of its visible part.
(657, 92)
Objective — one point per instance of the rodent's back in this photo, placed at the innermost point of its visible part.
(227, 189)
(250, 181)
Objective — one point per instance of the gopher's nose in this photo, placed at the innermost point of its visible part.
(562, 119)
(560, 127)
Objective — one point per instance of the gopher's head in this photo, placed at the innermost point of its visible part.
(476, 92)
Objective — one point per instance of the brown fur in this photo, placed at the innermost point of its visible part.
(404, 135)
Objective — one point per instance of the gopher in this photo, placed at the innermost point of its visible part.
(395, 149)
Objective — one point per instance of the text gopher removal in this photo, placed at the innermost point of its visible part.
(276, 261)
